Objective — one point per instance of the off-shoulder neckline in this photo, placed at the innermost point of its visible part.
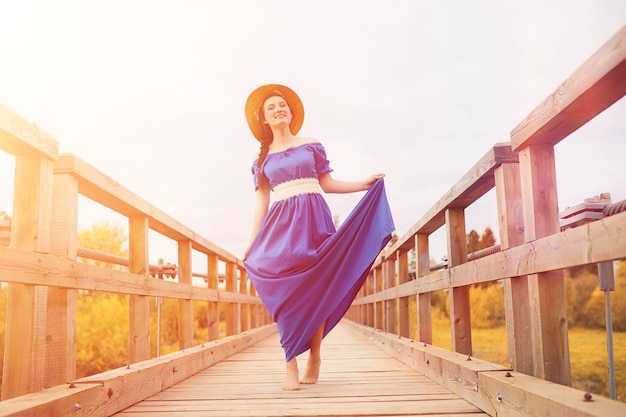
(294, 147)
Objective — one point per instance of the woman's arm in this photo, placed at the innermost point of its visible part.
(331, 185)
(260, 210)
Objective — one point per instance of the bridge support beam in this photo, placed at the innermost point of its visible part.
(24, 350)
(459, 296)
(61, 339)
(516, 300)
(139, 308)
(546, 291)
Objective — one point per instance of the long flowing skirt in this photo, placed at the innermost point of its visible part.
(306, 273)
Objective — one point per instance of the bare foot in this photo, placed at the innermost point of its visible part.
(312, 372)
(291, 381)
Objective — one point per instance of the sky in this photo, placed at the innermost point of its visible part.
(152, 94)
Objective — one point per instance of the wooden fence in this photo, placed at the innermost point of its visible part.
(529, 261)
(43, 275)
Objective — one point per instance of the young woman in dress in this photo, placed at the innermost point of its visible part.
(306, 272)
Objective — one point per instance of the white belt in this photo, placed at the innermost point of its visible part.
(296, 187)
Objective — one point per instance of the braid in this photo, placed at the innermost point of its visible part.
(267, 137)
(266, 140)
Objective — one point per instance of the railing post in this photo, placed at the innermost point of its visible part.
(254, 308)
(260, 316)
(139, 308)
(61, 312)
(232, 312)
(213, 311)
(547, 290)
(24, 349)
(516, 299)
(422, 266)
(389, 281)
(364, 316)
(370, 308)
(404, 316)
(379, 315)
(185, 307)
(459, 296)
(245, 308)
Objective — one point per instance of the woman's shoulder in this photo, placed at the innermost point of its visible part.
(308, 141)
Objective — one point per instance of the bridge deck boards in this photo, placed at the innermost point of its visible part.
(357, 379)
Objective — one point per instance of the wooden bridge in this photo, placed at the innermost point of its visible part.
(380, 360)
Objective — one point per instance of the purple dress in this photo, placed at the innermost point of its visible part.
(306, 273)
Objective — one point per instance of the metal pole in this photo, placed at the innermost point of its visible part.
(607, 284)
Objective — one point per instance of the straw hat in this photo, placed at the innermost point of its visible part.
(257, 98)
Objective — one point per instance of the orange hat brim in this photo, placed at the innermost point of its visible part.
(257, 98)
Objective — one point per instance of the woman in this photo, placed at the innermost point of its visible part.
(306, 273)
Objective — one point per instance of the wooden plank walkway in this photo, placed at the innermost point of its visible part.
(357, 379)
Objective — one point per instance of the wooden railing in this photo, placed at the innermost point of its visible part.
(529, 263)
(44, 276)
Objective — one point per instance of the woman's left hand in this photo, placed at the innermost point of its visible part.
(372, 179)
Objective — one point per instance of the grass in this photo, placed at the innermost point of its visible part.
(589, 361)
(588, 354)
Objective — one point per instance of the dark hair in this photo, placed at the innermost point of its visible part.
(266, 140)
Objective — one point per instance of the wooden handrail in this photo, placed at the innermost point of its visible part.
(42, 270)
(533, 250)
(529, 258)
(474, 184)
(102, 189)
(591, 89)
(20, 137)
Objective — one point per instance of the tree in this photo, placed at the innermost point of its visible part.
(580, 283)
(487, 303)
(593, 311)
(473, 241)
(102, 332)
(488, 239)
(619, 303)
(102, 318)
(102, 324)
(106, 238)
(476, 243)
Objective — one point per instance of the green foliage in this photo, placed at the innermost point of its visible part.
(442, 335)
(102, 328)
(488, 239)
(487, 306)
(618, 301)
(476, 242)
(473, 241)
(586, 303)
(200, 322)
(579, 286)
(169, 326)
(104, 237)
(102, 332)
(439, 300)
